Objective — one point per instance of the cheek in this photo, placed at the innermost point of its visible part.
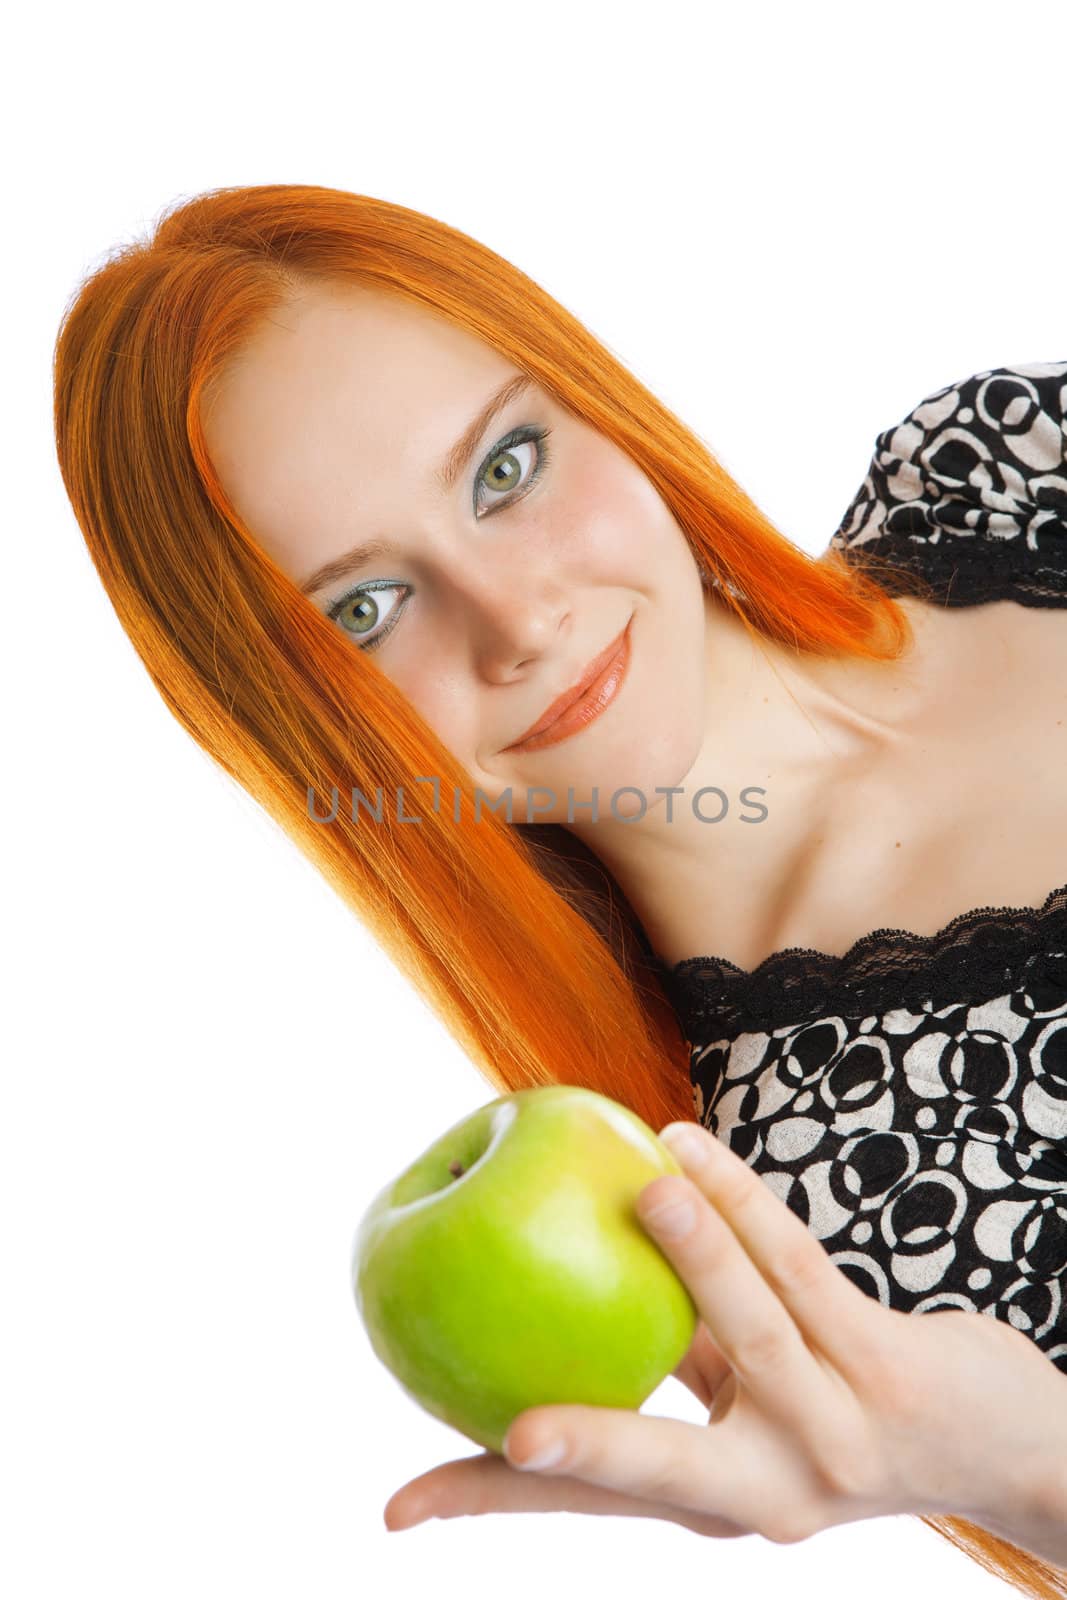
(619, 520)
(446, 705)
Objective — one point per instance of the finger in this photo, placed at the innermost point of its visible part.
(759, 1484)
(487, 1483)
(830, 1311)
(703, 1369)
(745, 1317)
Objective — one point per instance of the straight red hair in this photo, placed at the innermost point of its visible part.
(489, 920)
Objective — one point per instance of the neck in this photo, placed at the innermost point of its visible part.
(781, 731)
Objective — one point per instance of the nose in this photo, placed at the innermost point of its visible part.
(511, 621)
(512, 639)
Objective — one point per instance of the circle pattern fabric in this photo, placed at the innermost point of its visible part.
(908, 1101)
(926, 1148)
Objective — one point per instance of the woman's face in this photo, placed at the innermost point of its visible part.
(491, 590)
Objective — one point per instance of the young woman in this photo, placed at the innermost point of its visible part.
(397, 538)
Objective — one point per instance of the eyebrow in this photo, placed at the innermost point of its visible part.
(458, 458)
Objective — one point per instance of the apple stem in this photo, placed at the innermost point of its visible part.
(456, 1168)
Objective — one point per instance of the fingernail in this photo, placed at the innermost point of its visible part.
(686, 1144)
(548, 1456)
(673, 1220)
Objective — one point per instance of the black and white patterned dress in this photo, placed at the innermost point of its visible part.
(908, 1100)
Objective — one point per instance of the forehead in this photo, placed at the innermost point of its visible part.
(331, 344)
(341, 395)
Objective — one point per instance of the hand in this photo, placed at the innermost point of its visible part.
(825, 1407)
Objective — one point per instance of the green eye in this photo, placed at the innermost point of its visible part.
(359, 612)
(505, 471)
(361, 606)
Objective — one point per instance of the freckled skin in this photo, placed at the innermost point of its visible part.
(327, 429)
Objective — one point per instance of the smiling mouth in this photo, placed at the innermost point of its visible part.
(584, 701)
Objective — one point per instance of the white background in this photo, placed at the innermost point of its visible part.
(792, 223)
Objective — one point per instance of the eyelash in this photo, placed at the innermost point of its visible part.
(523, 435)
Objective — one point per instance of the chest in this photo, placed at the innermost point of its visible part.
(974, 809)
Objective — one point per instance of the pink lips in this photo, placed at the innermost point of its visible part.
(583, 701)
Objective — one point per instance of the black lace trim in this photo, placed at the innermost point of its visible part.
(977, 955)
(973, 537)
(965, 574)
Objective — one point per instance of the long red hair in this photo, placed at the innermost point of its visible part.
(489, 920)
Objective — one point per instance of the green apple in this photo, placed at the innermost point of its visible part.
(506, 1267)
